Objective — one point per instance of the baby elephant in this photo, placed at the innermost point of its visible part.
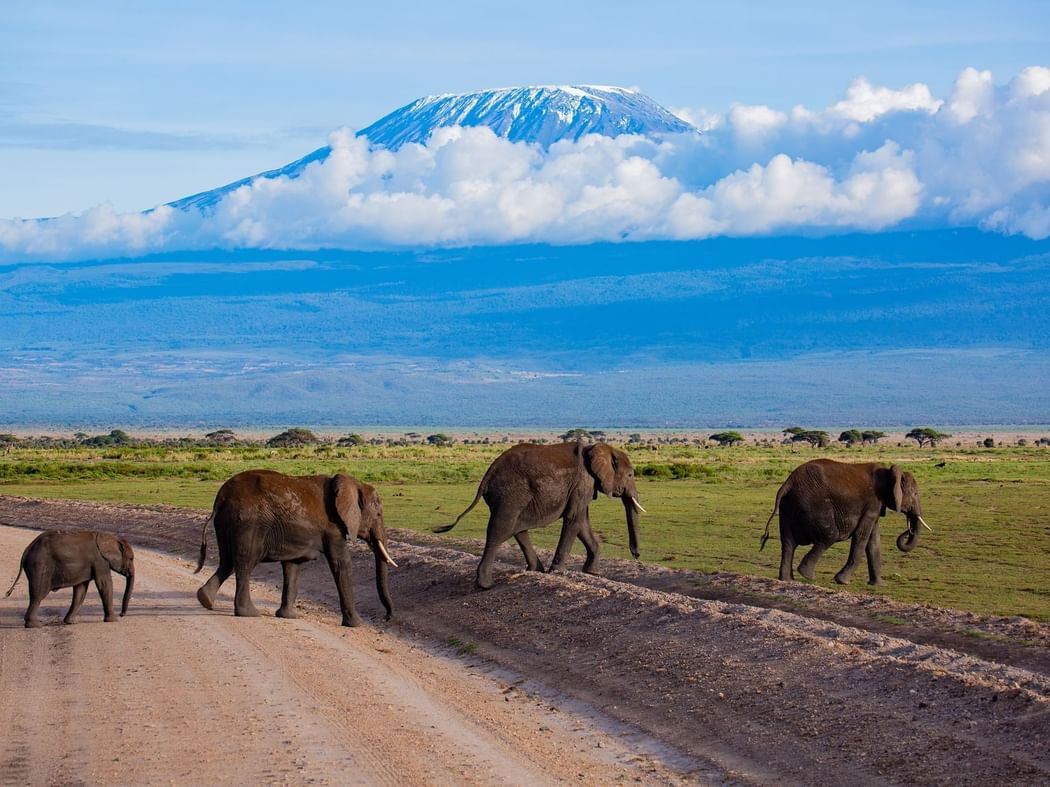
(61, 559)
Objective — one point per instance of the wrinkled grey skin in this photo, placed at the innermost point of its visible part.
(61, 559)
(824, 501)
(530, 486)
(265, 517)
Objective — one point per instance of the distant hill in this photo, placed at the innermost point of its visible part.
(938, 327)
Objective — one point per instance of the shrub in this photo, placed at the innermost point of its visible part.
(727, 438)
(293, 438)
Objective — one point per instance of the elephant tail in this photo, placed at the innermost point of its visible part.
(21, 565)
(446, 528)
(204, 542)
(482, 488)
(784, 487)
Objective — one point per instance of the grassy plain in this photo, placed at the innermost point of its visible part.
(990, 508)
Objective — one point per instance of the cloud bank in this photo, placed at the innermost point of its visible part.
(877, 158)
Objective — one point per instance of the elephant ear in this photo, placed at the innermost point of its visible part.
(898, 492)
(347, 500)
(602, 468)
(111, 549)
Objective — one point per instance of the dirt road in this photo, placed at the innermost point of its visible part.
(174, 694)
(730, 687)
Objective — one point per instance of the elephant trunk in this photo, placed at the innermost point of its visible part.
(630, 506)
(382, 577)
(129, 585)
(908, 540)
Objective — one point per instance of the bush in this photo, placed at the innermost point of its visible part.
(851, 437)
(727, 438)
(293, 438)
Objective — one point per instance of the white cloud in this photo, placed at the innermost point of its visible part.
(876, 158)
(864, 102)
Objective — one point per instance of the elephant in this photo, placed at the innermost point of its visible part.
(61, 559)
(824, 501)
(530, 486)
(261, 516)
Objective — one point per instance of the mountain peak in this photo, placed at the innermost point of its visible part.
(540, 114)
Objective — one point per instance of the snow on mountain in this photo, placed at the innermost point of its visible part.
(543, 115)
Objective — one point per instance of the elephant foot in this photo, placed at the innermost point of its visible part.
(556, 568)
(71, 621)
(246, 612)
(353, 620)
(875, 581)
(34, 623)
(111, 618)
(590, 570)
(842, 579)
(809, 573)
(204, 597)
(288, 613)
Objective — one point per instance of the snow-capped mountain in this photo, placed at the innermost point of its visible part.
(542, 115)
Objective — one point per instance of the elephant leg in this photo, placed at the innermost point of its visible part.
(243, 607)
(206, 593)
(808, 565)
(339, 563)
(787, 558)
(37, 592)
(79, 592)
(857, 545)
(874, 554)
(590, 543)
(532, 560)
(291, 589)
(501, 526)
(569, 530)
(104, 583)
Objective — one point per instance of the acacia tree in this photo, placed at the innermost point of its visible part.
(871, 436)
(293, 438)
(815, 437)
(850, 437)
(727, 438)
(925, 435)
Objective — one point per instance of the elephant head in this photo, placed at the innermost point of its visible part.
(361, 510)
(614, 475)
(121, 558)
(900, 492)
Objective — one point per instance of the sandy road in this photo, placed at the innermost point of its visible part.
(175, 694)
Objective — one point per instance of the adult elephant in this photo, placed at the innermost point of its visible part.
(824, 501)
(530, 486)
(60, 559)
(265, 517)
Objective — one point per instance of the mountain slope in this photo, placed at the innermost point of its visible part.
(541, 115)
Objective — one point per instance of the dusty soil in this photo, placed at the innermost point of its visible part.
(644, 674)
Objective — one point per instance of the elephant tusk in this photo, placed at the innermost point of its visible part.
(386, 555)
(638, 505)
(923, 523)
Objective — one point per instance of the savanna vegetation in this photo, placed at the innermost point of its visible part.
(708, 500)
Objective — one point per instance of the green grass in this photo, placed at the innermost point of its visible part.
(990, 509)
(461, 647)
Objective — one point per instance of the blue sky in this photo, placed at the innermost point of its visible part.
(136, 104)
